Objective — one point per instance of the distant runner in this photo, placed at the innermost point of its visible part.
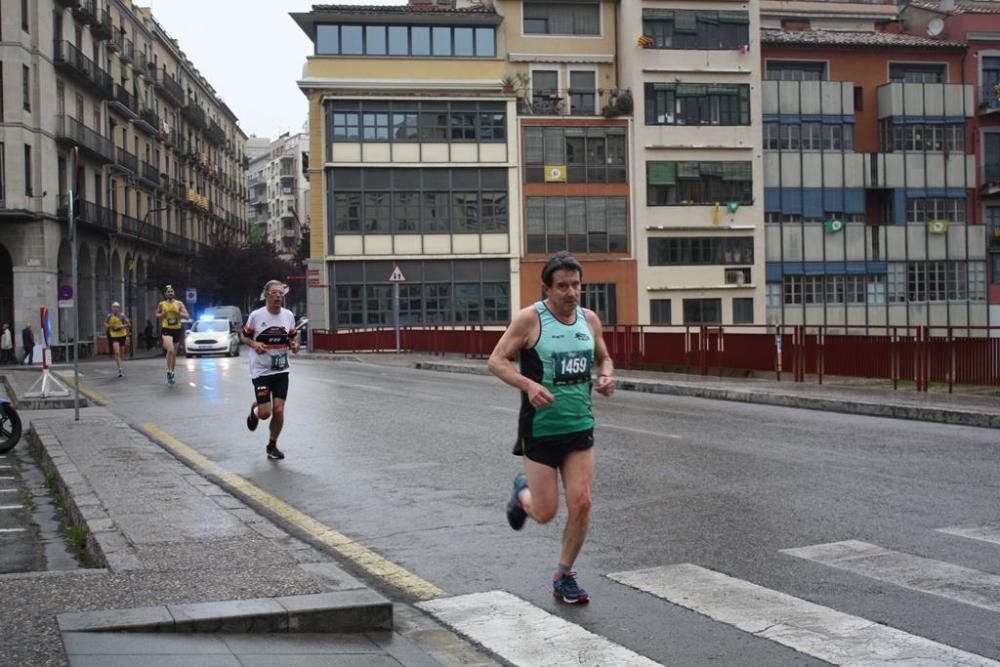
(118, 327)
(171, 312)
(270, 333)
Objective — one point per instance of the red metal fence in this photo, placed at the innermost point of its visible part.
(919, 354)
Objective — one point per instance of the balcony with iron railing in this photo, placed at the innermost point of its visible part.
(216, 134)
(140, 63)
(148, 121)
(85, 11)
(101, 28)
(195, 115)
(127, 48)
(71, 131)
(991, 176)
(67, 4)
(149, 173)
(170, 87)
(127, 160)
(989, 99)
(576, 102)
(125, 102)
(71, 60)
(86, 212)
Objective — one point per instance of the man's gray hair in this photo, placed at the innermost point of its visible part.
(270, 284)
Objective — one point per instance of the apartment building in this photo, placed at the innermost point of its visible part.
(413, 162)
(162, 159)
(870, 172)
(977, 24)
(698, 187)
(574, 135)
(279, 191)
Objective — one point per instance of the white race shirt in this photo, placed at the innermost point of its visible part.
(275, 332)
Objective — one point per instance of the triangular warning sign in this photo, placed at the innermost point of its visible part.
(397, 275)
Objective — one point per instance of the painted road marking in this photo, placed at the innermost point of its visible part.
(989, 533)
(523, 634)
(656, 434)
(963, 584)
(11, 507)
(7, 478)
(366, 559)
(96, 397)
(807, 627)
(8, 490)
(11, 530)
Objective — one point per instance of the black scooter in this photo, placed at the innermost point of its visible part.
(10, 425)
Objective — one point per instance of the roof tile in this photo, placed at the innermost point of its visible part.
(773, 37)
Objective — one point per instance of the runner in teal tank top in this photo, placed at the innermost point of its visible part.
(559, 344)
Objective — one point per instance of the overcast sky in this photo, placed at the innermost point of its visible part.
(251, 52)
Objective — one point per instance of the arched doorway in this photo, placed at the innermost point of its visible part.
(85, 299)
(117, 284)
(63, 316)
(102, 287)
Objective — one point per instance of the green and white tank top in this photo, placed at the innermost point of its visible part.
(561, 360)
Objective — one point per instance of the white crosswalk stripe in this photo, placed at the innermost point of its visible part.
(990, 533)
(980, 589)
(807, 627)
(523, 634)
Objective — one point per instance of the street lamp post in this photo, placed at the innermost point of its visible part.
(131, 293)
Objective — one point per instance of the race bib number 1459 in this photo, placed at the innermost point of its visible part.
(571, 367)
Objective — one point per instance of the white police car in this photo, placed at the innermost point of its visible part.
(211, 336)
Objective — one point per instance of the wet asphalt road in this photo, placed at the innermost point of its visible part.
(416, 466)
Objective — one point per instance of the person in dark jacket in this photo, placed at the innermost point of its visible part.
(28, 342)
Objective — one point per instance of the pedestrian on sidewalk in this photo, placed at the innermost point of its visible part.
(118, 326)
(28, 342)
(270, 334)
(6, 345)
(171, 312)
(558, 343)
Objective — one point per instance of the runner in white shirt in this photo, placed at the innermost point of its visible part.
(270, 334)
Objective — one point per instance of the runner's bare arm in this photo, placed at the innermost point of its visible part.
(602, 360)
(519, 336)
(184, 311)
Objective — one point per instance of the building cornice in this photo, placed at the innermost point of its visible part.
(560, 58)
(493, 86)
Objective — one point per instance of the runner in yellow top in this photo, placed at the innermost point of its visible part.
(118, 327)
(170, 312)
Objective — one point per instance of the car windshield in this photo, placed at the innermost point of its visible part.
(203, 326)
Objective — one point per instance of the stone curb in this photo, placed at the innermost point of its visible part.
(346, 611)
(829, 404)
(15, 395)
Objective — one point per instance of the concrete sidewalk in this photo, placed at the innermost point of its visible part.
(187, 573)
(837, 395)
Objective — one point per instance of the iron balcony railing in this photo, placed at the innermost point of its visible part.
(990, 97)
(128, 160)
(149, 121)
(87, 212)
(101, 27)
(71, 130)
(149, 173)
(68, 4)
(72, 60)
(195, 115)
(128, 49)
(125, 99)
(576, 102)
(86, 11)
(169, 86)
(216, 134)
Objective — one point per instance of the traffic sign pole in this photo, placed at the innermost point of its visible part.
(395, 278)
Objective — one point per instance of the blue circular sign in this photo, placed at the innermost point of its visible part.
(65, 292)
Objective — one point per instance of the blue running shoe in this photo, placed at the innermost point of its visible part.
(515, 513)
(170, 377)
(566, 589)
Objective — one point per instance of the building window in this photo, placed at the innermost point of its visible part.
(917, 72)
(435, 292)
(702, 311)
(413, 201)
(996, 262)
(589, 154)
(991, 157)
(3, 176)
(24, 16)
(932, 209)
(26, 87)
(808, 136)
(698, 183)
(563, 18)
(697, 104)
(743, 311)
(583, 92)
(28, 191)
(411, 121)
(577, 224)
(948, 138)
(990, 80)
(602, 299)
(794, 70)
(695, 251)
(696, 29)
(659, 311)
(395, 40)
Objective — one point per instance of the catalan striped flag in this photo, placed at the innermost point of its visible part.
(645, 41)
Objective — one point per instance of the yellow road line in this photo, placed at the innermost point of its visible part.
(364, 558)
(96, 397)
